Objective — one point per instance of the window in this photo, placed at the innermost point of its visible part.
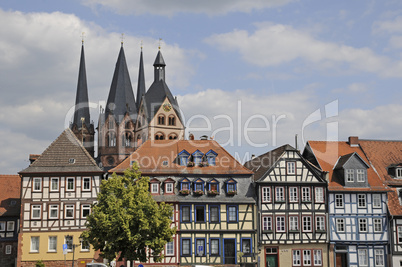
(111, 139)
(69, 241)
(266, 194)
(86, 184)
(53, 211)
(198, 186)
(231, 187)
(154, 188)
(340, 225)
(317, 257)
(69, 211)
(36, 212)
(172, 120)
(172, 136)
(8, 249)
(184, 159)
(126, 140)
(306, 257)
(232, 213)
(267, 223)
(161, 119)
(279, 194)
(319, 195)
(306, 197)
(214, 214)
(293, 223)
(10, 226)
(211, 159)
(86, 210)
(362, 225)
(34, 243)
(280, 224)
(306, 224)
(185, 214)
(185, 186)
(169, 187)
(361, 200)
(214, 247)
(320, 223)
(296, 254)
(70, 183)
(54, 184)
(399, 234)
(246, 246)
(111, 124)
(52, 243)
(200, 247)
(363, 257)
(85, 246)
(379, 257)
(2, 226)
(169, 248)
(159, 136)
(377, 225)
(197, 156)
(350, 176)
(213, 186)
(399, 173)
(293, 194)
(199, 213)
(290, 167)
(338, 201)
(360, 176)
(376, 201)
(186, 247)
(37, 184)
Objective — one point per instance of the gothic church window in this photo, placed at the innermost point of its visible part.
(111, 139)
(161, 119)
(172, 120)
(159, 136)
(127, 140)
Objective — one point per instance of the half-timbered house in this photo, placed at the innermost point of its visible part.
(58, 190)
(291, 200)
(358, 221)
(212, 196)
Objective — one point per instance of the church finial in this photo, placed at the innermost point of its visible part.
(82, 37)
(122, 39)
(141, 45)
(160, 41)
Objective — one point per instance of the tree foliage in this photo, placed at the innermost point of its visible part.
(127, 220)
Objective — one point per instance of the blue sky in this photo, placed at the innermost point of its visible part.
(309, 66)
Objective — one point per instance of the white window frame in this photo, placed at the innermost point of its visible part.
(317, 254)
(296, 256)
(361, 201)
(67, 183)
(37, 181)
(363, 257)
(154, 188)
(69, 244)
(293, 196)
(293, 223)
(377, 223)
(306, 257)
(360, 176)
(398, 172)
(85, 246)
(319, 195)
(68, 207)
(291, 167)
(376, 200)
(85, 207)
(50, 243)
(34, 244)
(339, 198)
(51, 184)
(10, 226)
(320, 223)
(306, 194)
(379, 258)
(280, 194)
(36, 207)
(307, 224)
(399, 229)
(53, 207)
(9, 249)
(340, 222)
(363, 226)
(350, 175)
(280, 225)
(169, 250)
(169, 187)
(266, 194)
(267, 223)
(84, 183)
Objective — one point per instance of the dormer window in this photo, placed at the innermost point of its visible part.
(350, 176)
(361, 176)
(211, 156)
(183, 157)
(185, 184)
(199, 185)
(398, 173)
(169, 186)
(231, 186)
(197, 157)
(213, 185)
(154, 184)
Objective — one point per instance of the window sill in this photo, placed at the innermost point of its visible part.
(52, 251)
(34, 252)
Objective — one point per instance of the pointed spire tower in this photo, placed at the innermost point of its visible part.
(141, 81)
(81, 125)
(116, 124)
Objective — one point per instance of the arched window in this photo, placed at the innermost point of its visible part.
(161, 119)
(111, 139)
(128, 125)
(172, 120)
(127, 140)
(159, 136)
(172, 136)
(111, 124)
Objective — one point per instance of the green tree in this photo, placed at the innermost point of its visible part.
(127, 220)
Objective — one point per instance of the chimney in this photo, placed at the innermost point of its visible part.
(354, 141)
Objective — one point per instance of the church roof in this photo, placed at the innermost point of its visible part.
(65, 154)
(159, 61)
(121, 97)
(141, 81)
(81, 101)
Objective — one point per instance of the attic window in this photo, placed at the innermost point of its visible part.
(398, 172)
(71, 161)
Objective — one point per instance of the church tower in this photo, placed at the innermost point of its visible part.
(81, 126)
(117, 121)
(159, 116)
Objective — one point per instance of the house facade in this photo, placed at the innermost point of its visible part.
(58, 190)
(212, 196)
(358, 216)
(292, 208)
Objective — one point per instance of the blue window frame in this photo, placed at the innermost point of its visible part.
(246, 246)
(184, 184)
(199, 185)
(213, 185)
(199, 213)
(231, 185)
(232, 213)
(214, 247)
(214, 214)
(197, 157)
(186, 247)
(185, 213)
(183, 157)
(211, 157)
(200, 247)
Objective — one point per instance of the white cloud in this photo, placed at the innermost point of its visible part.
(388, 26)
(275, 44)
(172, 7)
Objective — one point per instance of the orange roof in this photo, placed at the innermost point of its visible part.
(394, 206)
(161, 157)
(10, 188)
(327, 154)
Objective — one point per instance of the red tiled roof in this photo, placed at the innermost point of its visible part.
(151, 155)
(327, 154)
(394, 206)
(10, 188)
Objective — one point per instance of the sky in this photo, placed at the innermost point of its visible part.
(253, 75)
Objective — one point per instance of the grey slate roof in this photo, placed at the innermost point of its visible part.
(55, 159)
(121, 97)
(159, 61)
(141, 82)
(81, 101)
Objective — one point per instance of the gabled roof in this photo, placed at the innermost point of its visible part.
(345, 158)
(121, 97)
(56, 158)
(151, 155)
(327, 154)
(10, 196)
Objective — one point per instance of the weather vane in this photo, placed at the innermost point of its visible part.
(160, 39)
(122, 38)
(141, 44)
(82, 37)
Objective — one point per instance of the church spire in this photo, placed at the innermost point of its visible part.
(81, 113)
(159, 67)
(141, 82)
